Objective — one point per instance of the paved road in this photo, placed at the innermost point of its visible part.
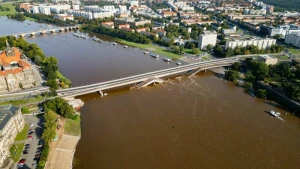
(35, 124)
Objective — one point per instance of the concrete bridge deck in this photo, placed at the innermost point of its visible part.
(99, 87)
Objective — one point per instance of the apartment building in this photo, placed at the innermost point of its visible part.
(260, 43)
(11, 123)
(207, 38)
(293, 39)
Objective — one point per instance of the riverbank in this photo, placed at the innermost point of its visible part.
(150, 47)
(12, 11)
(62, 151)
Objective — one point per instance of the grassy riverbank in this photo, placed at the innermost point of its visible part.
(150, 47)
(72, 127)
(11, 9)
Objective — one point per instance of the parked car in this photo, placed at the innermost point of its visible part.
(41, 142)
(22, 161)
(29, 136)
(25, 152)
(27, 145)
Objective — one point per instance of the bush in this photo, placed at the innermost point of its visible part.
(261, 93)
(25, 110)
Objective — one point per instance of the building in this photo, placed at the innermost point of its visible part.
(260, 43)
(267, 59)
(11, 123)
(280, 30)
(207, 38)
(63, 17)
(149, 34)
(35, 9)
(228, 31)
(16, 73)
(25, 6)
(45, 10)
(108, 24)
(160, 32)
(124, 26)
(293, 39)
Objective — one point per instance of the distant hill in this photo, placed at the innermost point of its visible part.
(282, 5)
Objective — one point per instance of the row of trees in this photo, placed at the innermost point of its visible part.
(2, 8)
(49, 19)
(60, 106)
(17, 16)
(281, 76)
(133, 37)
(250, 49)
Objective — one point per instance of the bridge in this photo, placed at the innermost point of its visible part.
(46, 31)
(142, 80)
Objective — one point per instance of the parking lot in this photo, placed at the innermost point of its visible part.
(32, 147)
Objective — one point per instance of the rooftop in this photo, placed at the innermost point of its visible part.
(6, 112)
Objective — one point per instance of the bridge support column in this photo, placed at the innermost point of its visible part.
(204, 70)
(101, 93)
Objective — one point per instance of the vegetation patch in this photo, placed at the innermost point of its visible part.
(24, 101)
(7, 9)
(72, 127)
(16, 151)
(23, 134)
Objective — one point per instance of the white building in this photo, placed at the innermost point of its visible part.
(293, 39)
(45, 10)
(258, 12)
(11, 123)
(208, 37)
(87, 15)
(260, 43)
(134, 3)
(35, 9)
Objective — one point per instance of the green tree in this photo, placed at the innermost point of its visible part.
(196, 51)
(261, 93)
(209, 47)
(232, 75)
(181, 49)
(25, 110)
(52, 84)
(236, 66)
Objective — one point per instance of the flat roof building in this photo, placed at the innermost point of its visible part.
(267, 59)
(207, 38)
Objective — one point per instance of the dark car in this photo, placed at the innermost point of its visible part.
(37, 156)
(25, 152)
(26, 148)
(27, 145)
(41, 142)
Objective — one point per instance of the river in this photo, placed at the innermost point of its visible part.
(186, 123)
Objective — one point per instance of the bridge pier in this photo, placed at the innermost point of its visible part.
(101, 93)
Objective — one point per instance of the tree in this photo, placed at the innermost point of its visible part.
(261, 93)
(52, 84)
(209, 47)
(247, 86)
(196, 51)
(232, 75)
(25, 110)
(236, 66)
(181, 49)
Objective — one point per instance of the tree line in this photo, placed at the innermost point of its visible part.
(133, 37)
(250, 49)
(49, 19)
(282, 77)
(2, 8)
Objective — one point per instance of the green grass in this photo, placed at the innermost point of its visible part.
(16, 151)
(205, 58)
(295, 51)
(21, 102)
(282, 57)
(190, 51)
(72, 127)
(30, 19)
(23, 134)
(153, 48)
(59, 75)
(11, 7)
